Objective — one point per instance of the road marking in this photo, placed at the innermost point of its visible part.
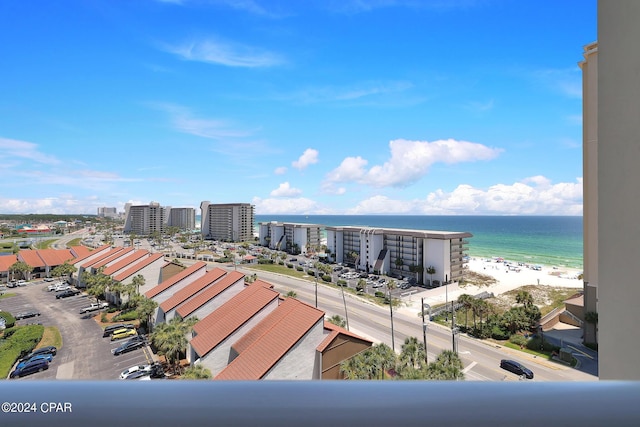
(65, 371)
(468, 368)
(581, 352)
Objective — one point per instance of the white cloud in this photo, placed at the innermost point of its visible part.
(309, 157)
(230, 54)
(12, 149)
(410, 161)
(532, 196)
(280, 170)
(285, 190)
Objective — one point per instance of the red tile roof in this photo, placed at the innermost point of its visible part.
(217, 326)
(198, 266)
(127, 260)
(7, 261)
(104, 249)
(334, 332)
(30, 256)
(80, 252)
(192, 289)
(283, 328)
(54, 257)
(113, 257)
(138, 267)
(209, 293)
(109, 253)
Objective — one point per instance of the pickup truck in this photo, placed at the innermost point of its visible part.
(94, 307)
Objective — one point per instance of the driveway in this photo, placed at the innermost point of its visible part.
(85, 354)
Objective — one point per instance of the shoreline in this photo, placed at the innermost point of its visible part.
(506, 280)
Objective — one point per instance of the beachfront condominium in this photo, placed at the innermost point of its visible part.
(182, 218)
(145, 220)
(293, 238)
(401, 253)
(617, 174)
(229, 222)
(105, 212)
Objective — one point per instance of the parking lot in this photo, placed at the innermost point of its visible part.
(85, 354)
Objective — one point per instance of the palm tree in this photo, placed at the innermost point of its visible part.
(431, 270)
(412, 355)
(171, 338)
(354, 368)
(361, 286)
(291, 294)
(145, 308)
(467, 302)
(447, 366)
(524, 298)
(591, 317)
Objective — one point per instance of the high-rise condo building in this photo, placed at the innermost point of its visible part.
(145, 219)
(183, 218)
(230, 222)
(290, 237)
(107, 212)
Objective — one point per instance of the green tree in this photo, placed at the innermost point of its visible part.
(291, 294)
(196, 372)
(466, 301)
(145, 308)
(447, 366)
(64, 269)
(412, 357)
(591, 317)
(524, 298)
(21, 268)
(361, 285)
(171, 339)
(431, 270)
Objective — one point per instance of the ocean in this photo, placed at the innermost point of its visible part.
(544, 240)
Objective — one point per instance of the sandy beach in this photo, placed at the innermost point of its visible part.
(506, 280)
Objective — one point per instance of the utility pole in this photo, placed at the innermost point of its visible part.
(424, 329)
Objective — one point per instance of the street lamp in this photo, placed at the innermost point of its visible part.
(424, 328)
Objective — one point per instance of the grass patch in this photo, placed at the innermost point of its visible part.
(74, 242)
(51, 336)
(8, 295)
(46, 244)
(543, 354)
(278, 269)
(472, 278)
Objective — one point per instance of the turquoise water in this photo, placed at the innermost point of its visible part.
(545, 240)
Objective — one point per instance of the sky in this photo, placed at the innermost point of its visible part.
(432, 107)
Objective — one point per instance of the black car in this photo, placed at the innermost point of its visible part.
(128, 346)
(67, 293)
(29, 368)
(27, 314)
(516, 368)
(42, 350)
(111, 328)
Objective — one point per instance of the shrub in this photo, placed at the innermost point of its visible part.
(499, 333)
(126, 316)
(534, 344)
(280, 262)
(518, 340)
(265, 261)
(103, 317)
(326, 278)
(22, 340)
(311, 273)
(379, 294)
(342, 282)
(299, 268)
(9, 320)
(289, 265)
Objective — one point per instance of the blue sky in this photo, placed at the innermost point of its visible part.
(469, 107)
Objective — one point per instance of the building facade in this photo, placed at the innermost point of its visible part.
(229, 222)
(618, 203)
(145, 220)
(589, 68)
(401, 253)
(107, 212)
(183, 218)
(290, 237)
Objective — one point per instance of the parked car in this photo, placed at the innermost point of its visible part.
(123, 333)
(43, 356)
(61, 287)
(137, 338)
(67, 293)
(109, 330)
(127, 347)
(30, 368)
(516, 368)
(93, 307)
(138, 369)
(42, 350)
(27, 314)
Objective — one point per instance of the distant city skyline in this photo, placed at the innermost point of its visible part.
(322, 107)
